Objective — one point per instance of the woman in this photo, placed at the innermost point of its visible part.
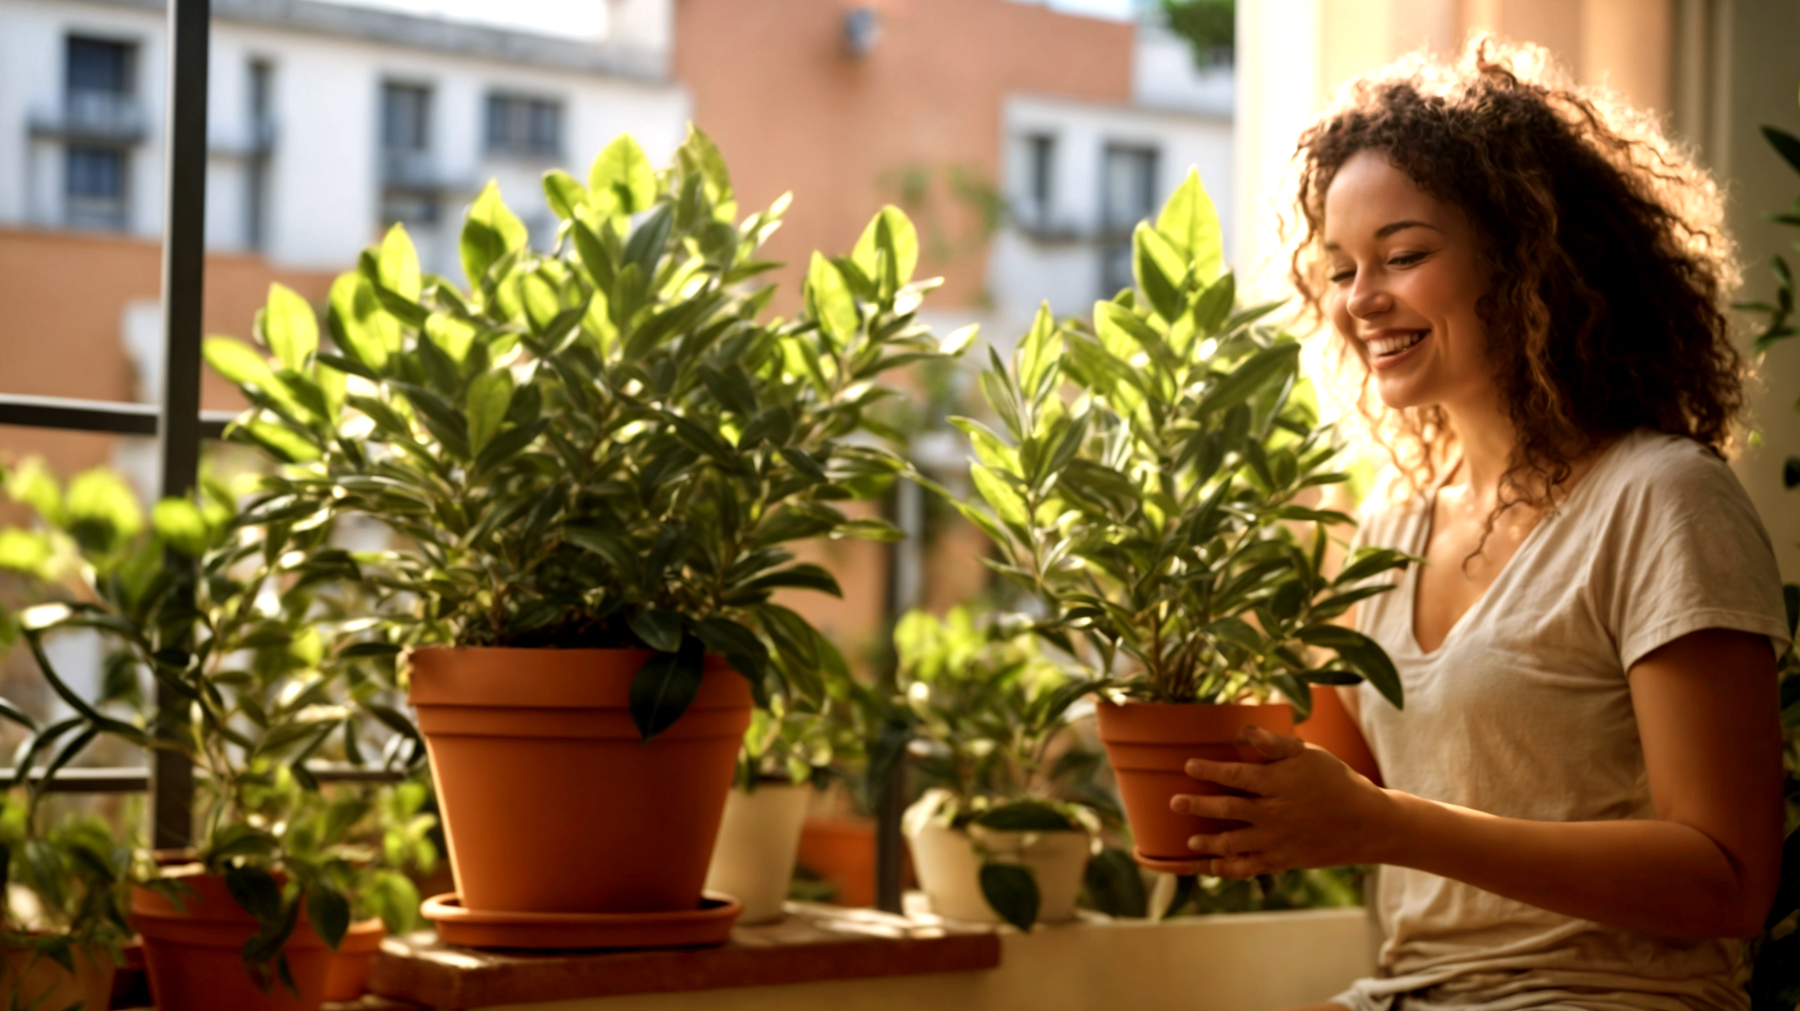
(1583, 791)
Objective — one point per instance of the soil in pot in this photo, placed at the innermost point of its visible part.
(950, 868)
(759, 838)
(349, 975)
(551, 801)
(1148, 745)
(35, 980)
(194, 952)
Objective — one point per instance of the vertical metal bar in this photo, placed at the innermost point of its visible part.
(905, 578)
(183, 285)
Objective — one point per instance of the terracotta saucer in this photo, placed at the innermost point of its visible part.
(473, 928)
(1159, 864)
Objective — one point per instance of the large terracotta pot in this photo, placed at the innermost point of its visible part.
(551, 802)
(1148, 745)
(759, 837)
(194, 952)
(1330, 727)
(31, 979)
(950, 868)
(349, 974)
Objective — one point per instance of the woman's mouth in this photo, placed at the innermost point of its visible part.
(1390, 349)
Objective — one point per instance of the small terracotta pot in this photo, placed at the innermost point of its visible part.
(349, 974)
(841, 849)
(194, 952)
(754, 859)
(551, 802)
(33, 980)
(1148, 745)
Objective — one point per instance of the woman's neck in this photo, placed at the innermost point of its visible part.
(1487, 439)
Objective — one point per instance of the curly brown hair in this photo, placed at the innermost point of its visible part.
(1608, 265)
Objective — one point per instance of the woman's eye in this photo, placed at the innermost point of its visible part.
(1405, 259)
(1341, 276)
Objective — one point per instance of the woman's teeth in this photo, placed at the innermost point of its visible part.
(1382, 346)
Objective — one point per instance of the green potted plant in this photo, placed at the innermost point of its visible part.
(993, 836)
(594, 457)
(1775, 980)
(789, 745)
(236, 612)
(64, 919)
(1150, 485)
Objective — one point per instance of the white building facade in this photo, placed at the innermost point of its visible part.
(1079, 177)
(326, 122)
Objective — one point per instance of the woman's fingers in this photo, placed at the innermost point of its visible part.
(1214, 806)
(1236, 842)
(1273, 747)
(1245, 776)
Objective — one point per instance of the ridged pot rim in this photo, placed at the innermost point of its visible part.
(1183, 723)
(509, 677)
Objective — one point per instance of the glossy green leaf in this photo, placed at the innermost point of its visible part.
(622, 180)
(1191, 225)
(1012, 893)
(290, 327)
(490, 397)
(397, 263)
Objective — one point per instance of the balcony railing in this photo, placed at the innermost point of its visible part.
(416, 170)
(108, 117)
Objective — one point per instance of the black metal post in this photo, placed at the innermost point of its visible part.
(906, 510)
(183, 285)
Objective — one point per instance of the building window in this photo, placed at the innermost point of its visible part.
(407, 173)
(1037, 180)
(524, 126)
(95, 186)
(99, 66)
(1128, 196)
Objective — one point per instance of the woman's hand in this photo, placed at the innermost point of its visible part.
(1308, 810)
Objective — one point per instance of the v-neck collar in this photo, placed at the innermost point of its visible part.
(1422, 539)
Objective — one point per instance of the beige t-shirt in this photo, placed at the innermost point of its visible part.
(1525, 712)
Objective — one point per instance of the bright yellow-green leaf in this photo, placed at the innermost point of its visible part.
(179, 523)
(564, 193)
(700, 151)
(958, 340)
(237, 361)
(100, 495)
(32, 484)
(450, 334)
(622, 180)
(398, 263)
(1039, 352)
(490, 395)
(289, 327)
(25, 551)
(1008, 504)
(902, 243)
(829, 299)
(490, 231)
(370, 334)
(541, 302)
(1191, 225)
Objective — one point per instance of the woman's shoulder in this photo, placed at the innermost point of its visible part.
(1653, 484)
(1657, 470)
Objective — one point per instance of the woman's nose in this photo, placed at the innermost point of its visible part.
(1368, 299)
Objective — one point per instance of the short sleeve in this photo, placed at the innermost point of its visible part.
(1687, 552)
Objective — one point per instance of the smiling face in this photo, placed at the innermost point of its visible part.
(1405, 275)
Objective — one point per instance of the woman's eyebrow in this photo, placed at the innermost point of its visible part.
(1399, 226)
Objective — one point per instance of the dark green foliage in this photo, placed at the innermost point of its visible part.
(1209, 26)
(601, 444)
(1149, 484)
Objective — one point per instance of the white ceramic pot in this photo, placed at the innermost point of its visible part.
(949, 868)
(753, 859)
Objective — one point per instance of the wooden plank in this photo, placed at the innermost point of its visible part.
(814, 943)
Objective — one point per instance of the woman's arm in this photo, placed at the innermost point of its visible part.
(1705, 866)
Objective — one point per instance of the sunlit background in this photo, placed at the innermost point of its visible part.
(1024, 138)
